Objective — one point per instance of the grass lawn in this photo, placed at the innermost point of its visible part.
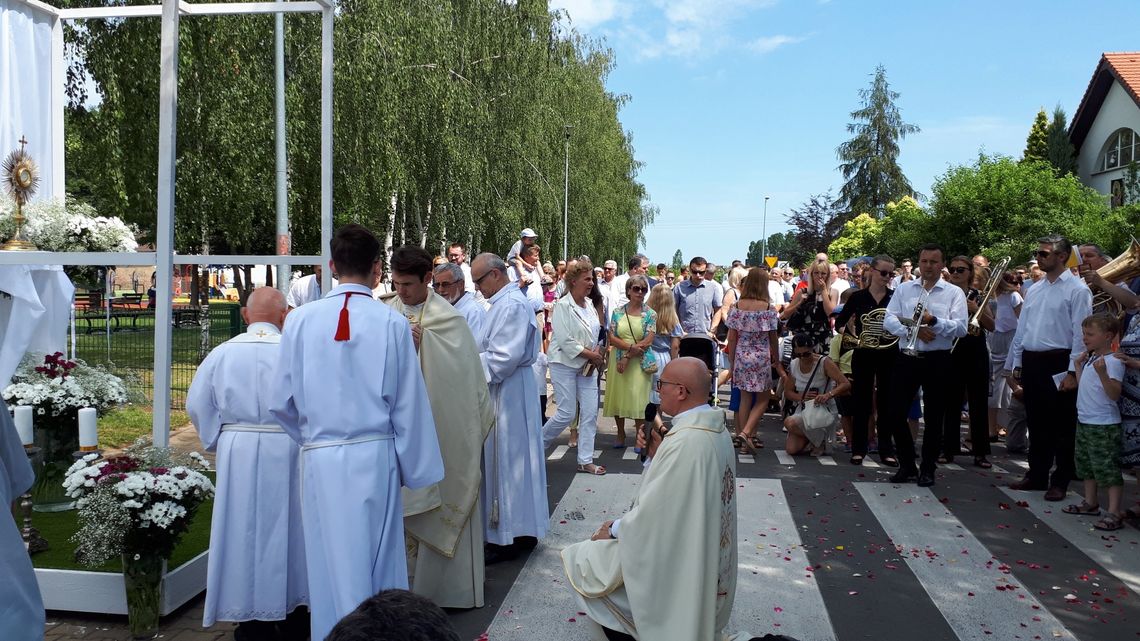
(120, 427)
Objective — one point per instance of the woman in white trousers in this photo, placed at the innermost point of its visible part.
(575, 357)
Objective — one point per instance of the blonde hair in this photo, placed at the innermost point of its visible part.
(755, 285)
(575, 270)
(661, 301)
(735, 276)
(821, 267)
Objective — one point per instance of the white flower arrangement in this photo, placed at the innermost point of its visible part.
(57, 387)
(67, 226)
(142, 500)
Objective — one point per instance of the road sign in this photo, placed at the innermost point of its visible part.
(771, 260)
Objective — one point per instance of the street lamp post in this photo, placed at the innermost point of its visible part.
(764, 231)
(566, 199)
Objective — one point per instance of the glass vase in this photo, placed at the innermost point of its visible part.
(142, 579)
(58, 439)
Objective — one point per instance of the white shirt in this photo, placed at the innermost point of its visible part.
(305, 289)
(775, 293)
(789, 290)
(1093, 405)
(468, 283)
(1051, 318)
(839, 286)
(617, 292)
(946, 303)
(1005, 320)
(533, 291)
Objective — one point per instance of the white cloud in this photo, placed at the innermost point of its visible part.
(768, 44)
(587, 14)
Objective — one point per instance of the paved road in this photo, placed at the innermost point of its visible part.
(828, 551)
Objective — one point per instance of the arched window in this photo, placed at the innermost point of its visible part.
(1122, 148)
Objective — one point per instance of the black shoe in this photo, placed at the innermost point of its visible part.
(525, 543)
(493, 553)
(926, 479)
(904, 476)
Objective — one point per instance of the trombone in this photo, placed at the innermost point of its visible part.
(974, 327)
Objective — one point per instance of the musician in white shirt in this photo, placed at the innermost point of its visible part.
(1048, 339)
(943, 318)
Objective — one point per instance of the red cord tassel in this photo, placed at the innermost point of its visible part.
(342, 329)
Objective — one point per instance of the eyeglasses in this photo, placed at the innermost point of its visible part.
(444, 283)
(662, 381)
(958, 270)
(639, 289)
(885, 273)
(479, 281)
(1042, 253)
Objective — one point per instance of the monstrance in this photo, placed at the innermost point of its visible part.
(20, 180)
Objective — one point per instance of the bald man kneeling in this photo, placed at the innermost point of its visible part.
(666, 570)
(256, 574)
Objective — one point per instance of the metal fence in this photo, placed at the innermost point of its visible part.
(123, 341)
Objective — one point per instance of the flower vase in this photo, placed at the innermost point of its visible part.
(57, 439)
(142, 579)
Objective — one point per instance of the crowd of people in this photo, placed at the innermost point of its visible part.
(391, 433)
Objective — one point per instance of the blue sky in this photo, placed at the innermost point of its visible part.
(734, 100)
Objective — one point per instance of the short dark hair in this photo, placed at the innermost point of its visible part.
(395, 615)
(412, 261)
(1060, 243)
(803, 339)
(881, 258)
(932, 247)
(697, 260)
(661, 266)
(354, 250)
(459, 245)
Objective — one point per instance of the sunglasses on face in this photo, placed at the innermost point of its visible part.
(958, 270)
(479, 281)
(885, 273)
(1042, 253)
(638, 289)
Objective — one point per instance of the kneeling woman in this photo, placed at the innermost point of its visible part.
(816, 378)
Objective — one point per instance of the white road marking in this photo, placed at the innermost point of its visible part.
(745, 458)
(952, 466)
(629, 455)
(784, 458)
(558, 453)
(827, 460)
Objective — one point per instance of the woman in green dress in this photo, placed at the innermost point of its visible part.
(631, 330)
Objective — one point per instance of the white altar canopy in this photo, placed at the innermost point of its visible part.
(28, 28)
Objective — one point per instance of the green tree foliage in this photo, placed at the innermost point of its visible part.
(860, 237)
(1059, 149)
(870, 158)
(786, 247)
(449, 124)
(905, 227)
(678, 261)
(1000, 207)
(755, 256)
(1037, 143)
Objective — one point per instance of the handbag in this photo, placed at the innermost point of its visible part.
(817, 418)
(648, 359)
(589, 368)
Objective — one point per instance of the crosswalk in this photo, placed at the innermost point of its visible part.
(909, 547)
(781, 458)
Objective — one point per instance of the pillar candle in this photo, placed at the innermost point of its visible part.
(88, 430)
(23, 417)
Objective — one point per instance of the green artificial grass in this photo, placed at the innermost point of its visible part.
(58, 527)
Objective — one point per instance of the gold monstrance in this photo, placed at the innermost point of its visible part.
(20, 180)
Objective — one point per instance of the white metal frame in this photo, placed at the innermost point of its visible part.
(164, 258)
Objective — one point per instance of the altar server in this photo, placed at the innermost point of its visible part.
(443, 524)
(21, 607)
(348, 388)
(256, 574)
(515, 511)
(666, 570)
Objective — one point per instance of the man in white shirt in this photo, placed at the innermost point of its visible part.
(842, 280)
(457, 255)
(448, 282)
(927, 314)
(905, 276)
(1048, 340)
(775, 288)
(256, 574)
(526, 274)
(306, 289)
(608, 285)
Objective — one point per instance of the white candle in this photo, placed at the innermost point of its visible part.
(88, 430)
(23, 417)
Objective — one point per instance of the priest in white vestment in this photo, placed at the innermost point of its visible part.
(514, 464)
(666, 570)
(442, 523)
(256, 572)
(448, 283)
(348, 388)
(21, 607)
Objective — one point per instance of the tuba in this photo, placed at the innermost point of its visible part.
(1124, 267)
(873, 335)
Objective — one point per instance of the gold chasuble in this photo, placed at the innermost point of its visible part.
(461, 406)
(671, 573)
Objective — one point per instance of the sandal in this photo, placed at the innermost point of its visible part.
(889, 461)
(597, 471)
(737, 442)
(1084, 509)
(1110, 522)
(980, 461)
(755, 443)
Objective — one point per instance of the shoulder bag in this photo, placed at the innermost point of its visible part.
(648, 358)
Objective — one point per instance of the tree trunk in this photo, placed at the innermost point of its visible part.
(389, 236)
(424, 225)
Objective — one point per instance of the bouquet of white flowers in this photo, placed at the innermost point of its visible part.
(58, 388)
(140, 502)
(67, 226)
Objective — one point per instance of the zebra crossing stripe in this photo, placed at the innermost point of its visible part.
(597, 453)
(945, 557)
(629, 455)
(999, 470)
(784, 458)
(952, 466)
(745, 458)
(869, 463)
(827, 460)
(1020, 463)
(1079, 531)
(558, 453)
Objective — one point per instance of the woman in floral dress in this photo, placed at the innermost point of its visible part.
(752, 325)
